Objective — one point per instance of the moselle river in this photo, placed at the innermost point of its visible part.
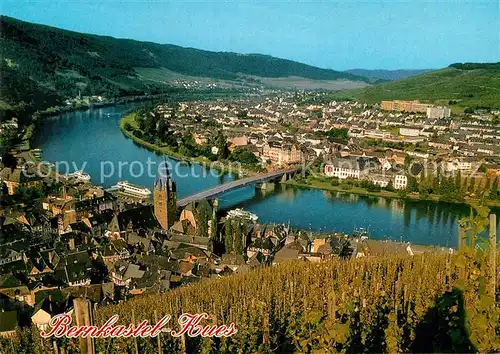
(92, 140)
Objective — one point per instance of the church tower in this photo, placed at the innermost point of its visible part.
(165, 200)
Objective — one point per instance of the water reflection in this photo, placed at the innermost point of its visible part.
(422, 222)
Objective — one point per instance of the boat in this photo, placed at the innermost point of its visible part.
(80, 176)
(132, 189)
(360, 233)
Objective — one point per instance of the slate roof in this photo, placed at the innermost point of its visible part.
(52, 307)
(141, 218)
(76, 272)
(128, 270)
(8, 321)
(232, 259)
(184, 251)
(149, 278)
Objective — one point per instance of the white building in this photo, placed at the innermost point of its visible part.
(438, 112)
(409, 131)
(344, 168)
(400, 182)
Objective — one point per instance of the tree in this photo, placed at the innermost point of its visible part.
(128, 127)
(9, 161)
(407, 163)
(238, 237)
(458, 181)
(228, 237)
(412, 185)
(495, 193)
(424, 189)
(220, 143)
(472, 185)
(243, 155)
(163, 130)
(149, 124)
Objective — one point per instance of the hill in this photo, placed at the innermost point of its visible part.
(388, 74)
(474, 85)
(374, 305)
(61, 63)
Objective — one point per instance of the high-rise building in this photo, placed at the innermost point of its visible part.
(438, 112)
(165, 200)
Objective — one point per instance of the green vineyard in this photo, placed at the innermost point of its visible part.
(424, 303)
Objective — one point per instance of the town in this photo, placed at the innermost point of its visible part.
(65, 239)
(404, 146)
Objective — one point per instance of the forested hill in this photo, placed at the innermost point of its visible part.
(388, 74)
(461, 85)
(64, 62)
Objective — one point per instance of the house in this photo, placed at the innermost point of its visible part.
(75, 268)
(237, 142)
(233, 261)
(115, 250)
(409, 131)
(351, 167)
(461, 164)
(128, 221)
(123, 273)
(149, 282)
(288, 252)
(281, 153)
(14, 290)
(262, 245)
(200, 139)
(400, 182)
(77, 274)
(46, 309)
(41, 262)
(193, 215)
(186, 268)
(16, 178)
(97, 293)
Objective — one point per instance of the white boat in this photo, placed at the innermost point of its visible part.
(132, 189)
(80, 176)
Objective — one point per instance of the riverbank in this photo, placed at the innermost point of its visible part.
(217, 165)
(327, 186)
(25, 141)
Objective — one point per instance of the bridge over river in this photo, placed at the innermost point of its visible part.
(226, 187)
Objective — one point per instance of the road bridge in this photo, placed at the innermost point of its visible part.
(229, 186)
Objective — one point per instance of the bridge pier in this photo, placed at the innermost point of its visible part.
(267, 186)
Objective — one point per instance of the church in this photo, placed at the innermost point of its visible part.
(146, 218)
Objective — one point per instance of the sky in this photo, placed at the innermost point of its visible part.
(340, 35)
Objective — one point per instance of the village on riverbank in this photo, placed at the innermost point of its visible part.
(64, 238)
(402, 149)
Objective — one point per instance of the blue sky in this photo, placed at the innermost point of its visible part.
(331, 34)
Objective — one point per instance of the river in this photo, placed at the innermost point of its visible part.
(91, 140)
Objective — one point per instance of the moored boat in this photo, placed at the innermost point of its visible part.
(132, 189)
(80, 176)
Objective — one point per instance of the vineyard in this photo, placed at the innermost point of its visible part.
(424, 303)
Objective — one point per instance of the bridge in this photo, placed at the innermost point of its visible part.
(229, 186)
